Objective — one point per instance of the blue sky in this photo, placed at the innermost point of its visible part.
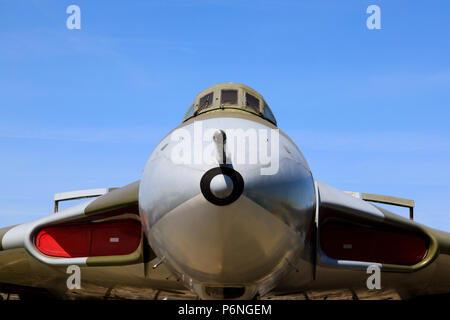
(84, 108)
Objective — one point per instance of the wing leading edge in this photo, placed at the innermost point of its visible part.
(36, 255)
(352, 235)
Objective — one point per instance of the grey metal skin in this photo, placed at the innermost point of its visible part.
(264, 241)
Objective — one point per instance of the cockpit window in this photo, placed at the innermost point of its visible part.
(206, 101)
(190, 111)
(252, 102)
(268, 113)
(229, 97)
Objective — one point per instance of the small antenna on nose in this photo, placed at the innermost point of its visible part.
(220, 139)
(156, 265)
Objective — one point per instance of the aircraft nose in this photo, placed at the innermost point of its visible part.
(224, 235)
(227, 223)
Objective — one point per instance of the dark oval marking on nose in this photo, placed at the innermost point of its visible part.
(238, 185)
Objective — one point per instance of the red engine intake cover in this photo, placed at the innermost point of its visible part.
(355, 243)
(90, 239)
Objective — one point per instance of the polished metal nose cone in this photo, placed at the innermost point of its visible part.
(221, 186)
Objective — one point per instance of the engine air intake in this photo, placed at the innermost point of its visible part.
(343, 241)
(90, 239)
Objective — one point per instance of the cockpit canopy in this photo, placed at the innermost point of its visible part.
(230, 96)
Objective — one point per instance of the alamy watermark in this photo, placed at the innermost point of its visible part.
(74, 20)
(374, 280)
(240, 146)
(74, 280)
(373, 22)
